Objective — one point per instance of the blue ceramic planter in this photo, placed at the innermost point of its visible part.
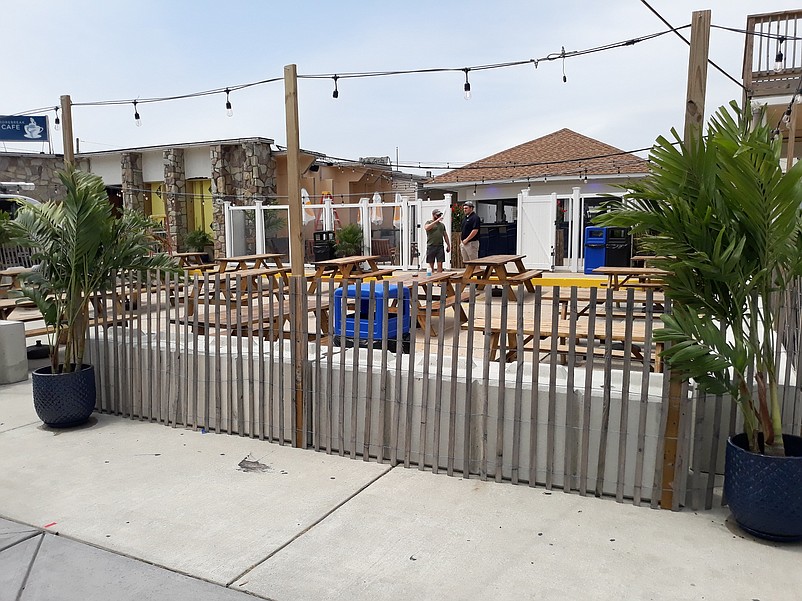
(64, 400)
(765, 493)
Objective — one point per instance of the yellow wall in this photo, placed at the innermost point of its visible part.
(156, 202)
(202, 204)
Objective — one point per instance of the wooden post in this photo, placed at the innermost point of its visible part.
(694, 119)
(66, 130)
(298, 281)
(697, 73)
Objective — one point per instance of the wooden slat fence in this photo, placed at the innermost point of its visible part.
(581, 412)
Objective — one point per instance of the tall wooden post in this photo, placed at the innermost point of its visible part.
(298, 280)
(66, 130)
(694, 121)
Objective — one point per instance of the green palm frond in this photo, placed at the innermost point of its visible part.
(727, 217)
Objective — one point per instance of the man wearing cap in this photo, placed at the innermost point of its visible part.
(436, 236)
(470, 233)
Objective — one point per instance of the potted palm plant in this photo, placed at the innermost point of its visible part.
(727, 219)
(201, 241)
(79, 248)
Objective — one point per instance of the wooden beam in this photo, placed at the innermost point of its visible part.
(697, 73)
(66, 130)
(298, 281)
(694, 121)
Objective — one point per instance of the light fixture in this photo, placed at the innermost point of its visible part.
(565, 79)
(474, 189)
(229, 110)
(787, 116)
(336, 92)
(778, 59)
(57, 122)
(528, 185)
(137, 118)
(467, 87)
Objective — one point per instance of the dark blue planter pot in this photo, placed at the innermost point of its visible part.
(64, 400)
(765, 493)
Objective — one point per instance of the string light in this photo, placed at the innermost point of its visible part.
(57, 121)
(565, 79)
(336, 92)
(137, 118)
(474, 189)
(229, 110)
(787, 116)
(467, 86)
(778, 60)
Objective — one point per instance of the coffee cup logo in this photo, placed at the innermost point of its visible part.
(32, 130)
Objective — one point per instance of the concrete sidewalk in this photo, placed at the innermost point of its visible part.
(219, 515)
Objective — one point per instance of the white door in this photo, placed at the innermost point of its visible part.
(537, 230)
(424, 214)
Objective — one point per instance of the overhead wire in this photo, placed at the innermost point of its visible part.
(687, 41)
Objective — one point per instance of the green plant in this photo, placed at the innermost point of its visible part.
(198, 239)
(457, 217)
(727, 219)
(349, 240)
(5, 218)
(79, 247)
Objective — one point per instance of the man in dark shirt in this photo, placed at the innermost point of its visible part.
(470, 233)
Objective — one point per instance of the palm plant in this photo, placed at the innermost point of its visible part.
(349, 240)
(727, 219)
(80, 247)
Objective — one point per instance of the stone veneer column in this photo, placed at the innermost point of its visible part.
(241, 174)
(175, 199)
(132, 182)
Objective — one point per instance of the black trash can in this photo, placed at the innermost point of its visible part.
(618, 247)
(323, 247)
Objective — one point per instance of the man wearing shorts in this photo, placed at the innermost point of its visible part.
(470, 233)
(436, 236)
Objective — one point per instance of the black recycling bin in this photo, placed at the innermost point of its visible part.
(323, 247)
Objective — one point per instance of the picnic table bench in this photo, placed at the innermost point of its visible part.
(348, 268)
(492, 270)
(542, 338)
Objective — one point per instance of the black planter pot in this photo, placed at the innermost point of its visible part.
(64, 400)
(765, 493)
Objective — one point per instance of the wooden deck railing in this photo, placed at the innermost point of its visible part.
(772, 34)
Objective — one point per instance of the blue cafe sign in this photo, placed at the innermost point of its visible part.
(23, 129)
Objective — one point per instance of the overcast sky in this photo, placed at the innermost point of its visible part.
(109, 50)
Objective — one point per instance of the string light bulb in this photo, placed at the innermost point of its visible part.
(474, 189)
(57, 121)
(562, 53)
(336, 92)
(137, 118)
(467, 88)
(778, 59)
(787, 116)
(229, 110)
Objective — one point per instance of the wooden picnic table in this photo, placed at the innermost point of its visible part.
(438, 305)
(252, 320)
(619, 277)
(583, 299)
(641, 260)
(563, 333)
(7, 305)
(348, 268)
(492, 270)
(250, 261)
(192, 260)
(16, 274)
(233, 284)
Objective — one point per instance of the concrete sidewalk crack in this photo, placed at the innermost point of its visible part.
(308, 528)
(22, 540)
(30, 566)
(20, 426)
